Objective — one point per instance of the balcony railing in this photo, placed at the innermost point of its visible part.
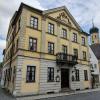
(62, 58)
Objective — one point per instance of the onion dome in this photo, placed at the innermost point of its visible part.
(94, 30)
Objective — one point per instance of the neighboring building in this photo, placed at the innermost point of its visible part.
(46, 51)
(94, 51)
(95, 73)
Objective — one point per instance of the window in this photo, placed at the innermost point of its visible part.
(83, 40)
(85, 75)
(30, 74)
(51, 28)
(75, 51)
(64, 33)
(84, 55)
(34, 22)
(64, 48)
(33, 44)
(50, 48)
(77, 75)
(95, 66)
(50, 74)
(74, 37)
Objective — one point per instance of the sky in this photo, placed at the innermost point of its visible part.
(82, 10)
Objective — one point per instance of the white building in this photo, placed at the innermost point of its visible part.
(94, 51)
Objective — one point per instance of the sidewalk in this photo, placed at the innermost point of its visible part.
(56, 95)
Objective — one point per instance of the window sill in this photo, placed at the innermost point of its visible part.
(77, 80)
(84, 45)
(30, 81)
(85, 80)
(51, 54)
(84, 59)
(64, 38)
(33, 28)
(75, 42)
(50, 81)
(32, 51)
(51, 34)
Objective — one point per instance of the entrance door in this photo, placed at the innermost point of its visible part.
(64, 78)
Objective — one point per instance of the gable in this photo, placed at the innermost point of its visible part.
(63, 15)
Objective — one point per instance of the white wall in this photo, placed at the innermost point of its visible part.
(94, 60)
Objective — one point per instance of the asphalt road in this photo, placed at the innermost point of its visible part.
(5, 96)
(85, 96)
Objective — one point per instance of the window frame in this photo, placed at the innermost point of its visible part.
(63, 33)
(63, 49)
(50, 78)
(85, 75)
(77, 75)
(32, 44)
(75, 37)
(27, 80)
(83, 40)
(50, 29)
(32, 22)
(95, 66)
(84, 55)
(51, 51)
(74, 52)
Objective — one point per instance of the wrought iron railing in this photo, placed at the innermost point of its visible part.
(62, 58)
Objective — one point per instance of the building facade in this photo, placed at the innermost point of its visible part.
(46, 52)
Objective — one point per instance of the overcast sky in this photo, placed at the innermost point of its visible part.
(82, 10)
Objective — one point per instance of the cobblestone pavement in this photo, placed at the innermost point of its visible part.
(84, 96)
(5, 96)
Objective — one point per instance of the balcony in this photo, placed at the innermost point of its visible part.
(66, 59)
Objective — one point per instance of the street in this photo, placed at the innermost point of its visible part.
(5, 96)
(85, 96)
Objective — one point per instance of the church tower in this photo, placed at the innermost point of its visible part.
(94, 33)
